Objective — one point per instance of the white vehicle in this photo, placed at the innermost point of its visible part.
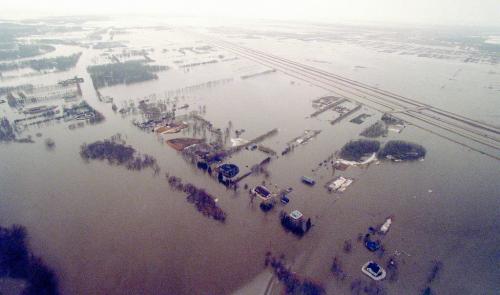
(385, 227)
(374, 271)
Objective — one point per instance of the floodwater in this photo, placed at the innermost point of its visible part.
(107, 230)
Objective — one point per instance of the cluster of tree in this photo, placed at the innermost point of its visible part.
(337, 269)
(6, 131)
(97, 117)
(117, 154)
(59, 63)
(97, 34)
(17, 262)
(292, 282)
(133, 52)
(7, 45)
(84, 109)
(175, 182)
(433, 275)
(437, 266)
(108, 44)
(27, 139)
(203, 201)
(357, 149)
(10, 31)
(50, 143)
(9, 89)
(195, 64)
(123, 73)
(57, 28)
(392, 270)
(402, 150)
(140, 162)
(391, 120)
(114, 152)
(379, 128)
(479, 43)
(359, 286)
(25, 50)
(60, 42)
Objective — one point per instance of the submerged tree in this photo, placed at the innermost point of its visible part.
(123, 73)
(378, 129)
(357, 149)
(292, 282)
(17, 262)
(6, 130)
(402, 150)
(118, 153)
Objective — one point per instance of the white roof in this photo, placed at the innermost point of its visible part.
(337, 182)
(296, 214)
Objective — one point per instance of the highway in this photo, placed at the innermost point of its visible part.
(475, 135)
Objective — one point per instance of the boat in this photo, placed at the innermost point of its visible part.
(308, 180)
(387, 224)
(373, 271)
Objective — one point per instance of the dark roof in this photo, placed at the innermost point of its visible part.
(372, 245)
(373, 267)
(262, 191)
(229, 170)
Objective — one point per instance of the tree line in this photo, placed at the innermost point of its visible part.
(18, 262)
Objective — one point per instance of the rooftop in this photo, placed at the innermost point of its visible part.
(296, 214)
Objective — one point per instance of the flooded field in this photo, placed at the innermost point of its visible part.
(105, 229)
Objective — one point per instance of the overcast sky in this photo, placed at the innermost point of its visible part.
(451, 12)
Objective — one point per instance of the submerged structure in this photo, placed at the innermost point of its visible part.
(227, 173)
(294, 222)
(339, 184)
(373, 271)
(267, 200)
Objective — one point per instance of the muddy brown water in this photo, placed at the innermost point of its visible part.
(107, 230)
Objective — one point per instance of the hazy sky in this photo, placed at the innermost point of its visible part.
(452, 12)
